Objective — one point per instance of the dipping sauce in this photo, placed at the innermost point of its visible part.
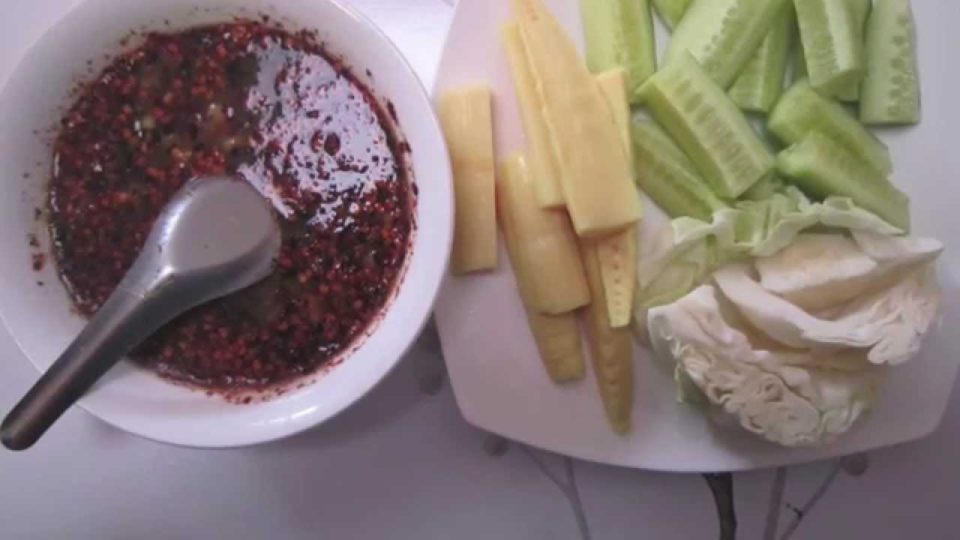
(270, 107)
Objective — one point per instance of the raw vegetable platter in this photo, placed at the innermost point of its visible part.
(498, 377)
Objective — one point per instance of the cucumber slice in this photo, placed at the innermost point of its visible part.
(764, 189)
(799, 63)
(619, 34)
(723, 34)
(709, 127)
(860, 10)
(891, 89)
(802, 110)
(822, 168)
(671, 11)
(831, 44)
(668, 176)
(760, 83)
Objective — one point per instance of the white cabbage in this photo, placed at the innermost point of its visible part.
(794, 341)
(769, 392)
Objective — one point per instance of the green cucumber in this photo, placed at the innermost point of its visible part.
(707, 126)
(799, 62)
(891, 89)
(619, 34)
(723, 34)
(668, 176)
(832, 46)
(820, 167)
(760, 83)
(671, 11)
(764, 189)
(802, 110)
(860, 10)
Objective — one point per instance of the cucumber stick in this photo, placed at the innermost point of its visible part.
(760, 83)
(764, 189)
(822, 168)
(671, 11)
(468, 129)
(860, 10)
(543, 163)
(799, 62)
(708, 126)
(802, 110)
(619, 33)
(557, 336)
(668, 176)
(832, 46)
(891, 89)
(595, 172)
(546, 245)
(723, 34)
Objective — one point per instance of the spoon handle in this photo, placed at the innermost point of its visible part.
(124, 320)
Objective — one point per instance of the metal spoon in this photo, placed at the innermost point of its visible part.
(216, 236)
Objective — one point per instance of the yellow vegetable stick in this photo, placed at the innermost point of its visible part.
(557, 336)
(611, 349)
(546, 245)
(468, 128)
(543, 166)
(617, 253)
(594, 169)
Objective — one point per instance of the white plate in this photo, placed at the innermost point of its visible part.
(500, 384)
(134, 399)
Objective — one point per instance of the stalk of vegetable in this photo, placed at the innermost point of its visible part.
(619, 34)
(891, 89)
(760, 83)
(543, 163)
(557, 336)
(546, 247)
(723, 34)
(708, 126)
(468, 128)
(594, 168)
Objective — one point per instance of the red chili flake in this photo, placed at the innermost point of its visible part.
(191, 104)
(38, 260)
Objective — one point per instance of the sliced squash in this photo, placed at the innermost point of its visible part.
(546, 246)
(468, 128)
(594, 169)
(543, 166)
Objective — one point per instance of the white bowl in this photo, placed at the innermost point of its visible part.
(40, 318)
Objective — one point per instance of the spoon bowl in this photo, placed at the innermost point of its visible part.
(216, 236)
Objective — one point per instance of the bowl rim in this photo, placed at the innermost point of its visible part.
(426, 291)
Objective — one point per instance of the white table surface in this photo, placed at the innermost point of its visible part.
(403, 464)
